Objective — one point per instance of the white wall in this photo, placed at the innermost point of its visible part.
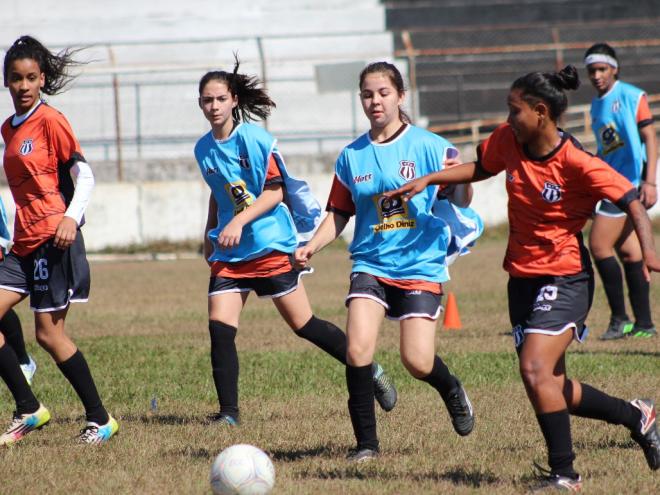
(124, 214)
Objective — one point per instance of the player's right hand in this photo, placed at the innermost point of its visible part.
(302, 256)
(407, 191)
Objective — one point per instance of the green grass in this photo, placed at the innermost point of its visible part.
(144, 334)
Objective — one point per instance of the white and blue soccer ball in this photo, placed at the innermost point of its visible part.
(242, 470)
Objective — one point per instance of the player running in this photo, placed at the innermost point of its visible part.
(257, 216)
(400, 251)
(553, 186)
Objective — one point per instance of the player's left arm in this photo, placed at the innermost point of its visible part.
(83, 177)
(458, 194)
(269, 198)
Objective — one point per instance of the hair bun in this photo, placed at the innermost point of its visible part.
(567, 78)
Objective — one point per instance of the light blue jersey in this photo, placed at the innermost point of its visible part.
(614, 123)
(5, 236)
(235, 169)
(395, 239)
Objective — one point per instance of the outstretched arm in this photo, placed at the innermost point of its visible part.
(332, 225)
(460, 174)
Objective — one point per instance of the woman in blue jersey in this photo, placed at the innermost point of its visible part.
(399, 251)
(10, 324)
(625, 134)
(257, 216)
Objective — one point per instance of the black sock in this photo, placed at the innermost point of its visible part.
(598, 405)
(76, 370)
(10, 326)
(638, 291)
(556, 429)
(361, 405)
(11, 373)
(610, 274)
(440, 378)
(326, 336)
(224, 360)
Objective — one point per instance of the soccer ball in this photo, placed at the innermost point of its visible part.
(242, 470)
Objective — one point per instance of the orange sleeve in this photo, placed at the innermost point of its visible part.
(491, 151)
(643, 110)
(62, 139)
(603, 181)
(340, 199)
(273, 171)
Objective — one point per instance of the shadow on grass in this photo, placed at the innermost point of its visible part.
(298, 454)
(458, 476)
(162, 419)
(192, 453)
(618, 352)
(607, 444)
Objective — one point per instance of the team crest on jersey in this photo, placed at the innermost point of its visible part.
(244, 162)
(392, 214)
(551, 192)
(26, 147)
(616, 106)
(239, 195)
(407, 169)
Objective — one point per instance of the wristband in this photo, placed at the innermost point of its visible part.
(649, 183)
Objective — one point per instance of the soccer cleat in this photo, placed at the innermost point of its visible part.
(549, 481)
(617, 329)
(29, 370)
(384, 389)
(23, 424)
(646, 434)
(95, 434)
(644, 333)
(460, 410)
(222, 419)
(359, 455)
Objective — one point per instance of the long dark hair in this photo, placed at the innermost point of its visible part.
(253, 101)
(394, 76)
(548, 87)
(53, 65)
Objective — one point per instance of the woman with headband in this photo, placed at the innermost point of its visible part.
(625, 134)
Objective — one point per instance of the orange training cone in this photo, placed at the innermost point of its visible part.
(452, 320)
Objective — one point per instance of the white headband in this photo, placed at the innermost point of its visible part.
(596, 58)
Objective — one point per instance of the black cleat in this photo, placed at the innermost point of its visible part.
(384, 389)
(553, 482)
(359, 455)
(646, 433)
(617, 329)
(460, 410)
(222, 419)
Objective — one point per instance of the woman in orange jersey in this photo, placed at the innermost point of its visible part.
(553, 186)
(47, 262)
(257, 216)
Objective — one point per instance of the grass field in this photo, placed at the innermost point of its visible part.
(144, 333)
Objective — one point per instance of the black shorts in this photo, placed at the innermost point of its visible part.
(51, 276)
(550, 305)
(270, 287)
(609, 209)
(399, 303)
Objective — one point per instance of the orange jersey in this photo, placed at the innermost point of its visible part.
(550, 200)
(37, 158)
